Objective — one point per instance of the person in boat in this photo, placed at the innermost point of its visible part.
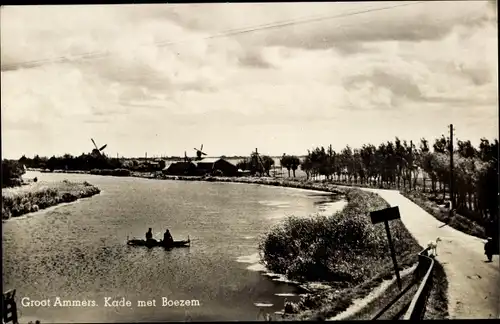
(167, 238)
(149, 234)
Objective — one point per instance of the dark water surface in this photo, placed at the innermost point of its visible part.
(77, 251)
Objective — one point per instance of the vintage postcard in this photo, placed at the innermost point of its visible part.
(250, 161)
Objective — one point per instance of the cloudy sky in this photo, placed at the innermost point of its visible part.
(282, 77)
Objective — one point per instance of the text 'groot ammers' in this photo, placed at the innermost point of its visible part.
(110, 302)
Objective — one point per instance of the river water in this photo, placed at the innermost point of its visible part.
(77, 251)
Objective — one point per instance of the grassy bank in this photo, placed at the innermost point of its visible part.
(109, 172)
(372, 308)
(437, 304)
(269, 181)
(457, 221)
(344, 250)
(35, 196)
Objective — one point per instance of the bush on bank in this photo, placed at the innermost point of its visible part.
(36, 196)
(345, 248)
(12, 172)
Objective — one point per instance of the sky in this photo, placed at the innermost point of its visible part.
(280, 77)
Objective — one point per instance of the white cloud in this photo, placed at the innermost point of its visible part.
(350, 72)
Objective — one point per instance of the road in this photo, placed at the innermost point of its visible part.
(473, 283)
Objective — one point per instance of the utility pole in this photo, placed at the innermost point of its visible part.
(330, 167)
(452, 189)
(411, 161)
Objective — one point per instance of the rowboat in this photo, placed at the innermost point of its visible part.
(154, 243)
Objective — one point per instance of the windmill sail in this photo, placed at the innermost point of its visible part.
(94, 144)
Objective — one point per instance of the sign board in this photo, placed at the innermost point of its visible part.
(385, 215)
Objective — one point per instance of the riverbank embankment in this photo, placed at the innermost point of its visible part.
(269, 181)
(345, 251)
(32, 197)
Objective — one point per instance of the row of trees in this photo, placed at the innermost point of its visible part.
(84, 162)
(69, 162)
(401, 164)
(290, 162)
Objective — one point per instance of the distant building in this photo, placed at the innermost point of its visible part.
(180, 168)
(217, 165)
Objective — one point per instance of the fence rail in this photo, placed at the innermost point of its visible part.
(424, 270)
(414, 309)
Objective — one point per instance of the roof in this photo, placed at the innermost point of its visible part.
(178, 165)
(208, 160)
(213, 160)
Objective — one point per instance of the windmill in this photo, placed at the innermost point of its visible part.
(97, 152)
(259, 161)
(199, 153)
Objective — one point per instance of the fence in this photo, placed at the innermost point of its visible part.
(416, 308)
(425, 271)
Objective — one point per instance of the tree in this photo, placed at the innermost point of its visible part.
(347, 162)
(286, 163)
(52, 163)
(368, 158)
(294, 162)
(268, 163)
(306, 166)
(290, 162)
(441, 145)
(12, 172)
(465, 149)
(424, 161)
(23, 160)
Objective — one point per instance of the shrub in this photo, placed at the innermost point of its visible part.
(345, 247)
(19, 201)
(12, 172)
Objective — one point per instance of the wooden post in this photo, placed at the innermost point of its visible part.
(10, 307)
(385, 215)
(393, 253)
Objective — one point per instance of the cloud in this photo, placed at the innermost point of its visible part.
(158, 68)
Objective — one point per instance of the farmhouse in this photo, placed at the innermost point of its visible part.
(180, 168)
(217, 166)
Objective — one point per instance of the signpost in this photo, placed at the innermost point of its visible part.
(385, 215)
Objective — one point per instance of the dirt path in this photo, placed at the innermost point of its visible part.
(473, 283)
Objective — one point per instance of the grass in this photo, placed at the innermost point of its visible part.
(437, 304)
(458, 221)
(330, 303)
(39, 195)
(270, 181)
(394, 312)
(111, 172)
(344, 250)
